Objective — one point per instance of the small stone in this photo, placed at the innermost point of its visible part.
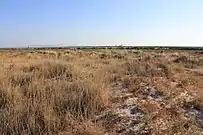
(135, 110)
(156, 94)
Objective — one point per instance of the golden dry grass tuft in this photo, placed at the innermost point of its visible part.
(148, 68)
(37, 99)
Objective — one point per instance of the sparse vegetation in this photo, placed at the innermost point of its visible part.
(92, 92)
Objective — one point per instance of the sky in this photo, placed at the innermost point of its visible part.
(98, 22)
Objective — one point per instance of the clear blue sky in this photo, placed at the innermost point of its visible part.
(156, 22)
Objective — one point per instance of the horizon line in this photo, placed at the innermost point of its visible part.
(102, 45)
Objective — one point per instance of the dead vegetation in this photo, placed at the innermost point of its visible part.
(46, 97)
(100, 92)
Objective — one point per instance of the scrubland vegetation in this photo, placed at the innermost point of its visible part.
(101, 92)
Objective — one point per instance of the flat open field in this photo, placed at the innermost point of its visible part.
(101, 92)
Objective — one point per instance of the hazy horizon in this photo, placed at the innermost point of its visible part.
(90, 22)
(86, 45)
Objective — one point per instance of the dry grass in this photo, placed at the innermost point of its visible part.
(60, 92)
(189, 61)
(36, 99)
(148, 68)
